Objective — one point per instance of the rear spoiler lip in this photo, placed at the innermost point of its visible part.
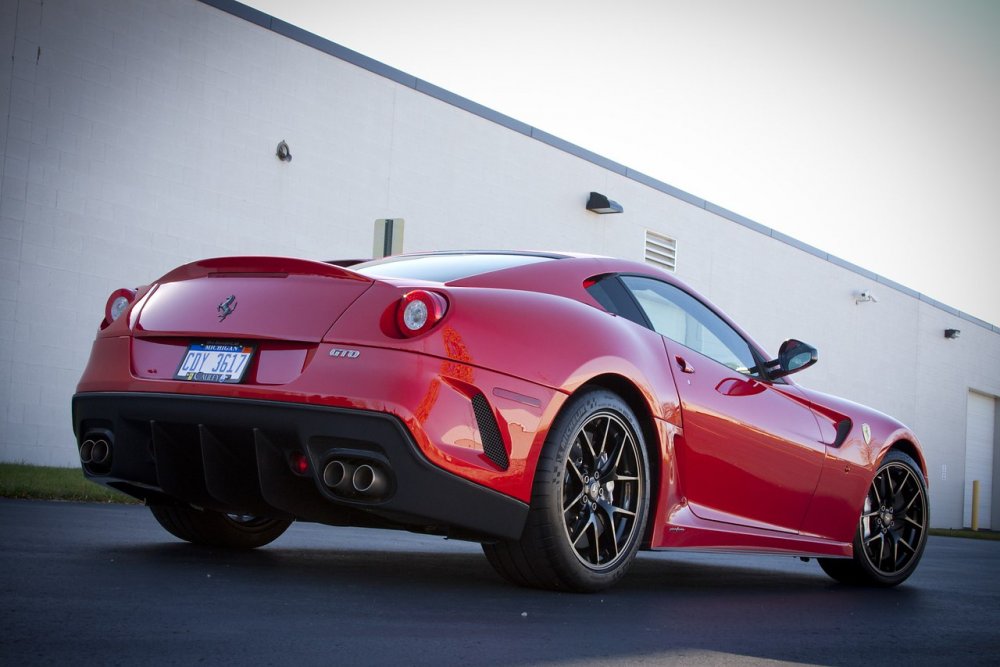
(346, 263)
(260, 265)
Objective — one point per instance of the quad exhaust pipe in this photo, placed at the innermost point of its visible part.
(337, 476)
(348, 479)
(95, 454)
(369, 480)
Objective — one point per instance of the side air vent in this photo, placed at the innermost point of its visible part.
(661, 251)
(492, 441)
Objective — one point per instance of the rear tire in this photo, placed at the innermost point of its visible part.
(892, 529)
(216, 529)
(589, 501)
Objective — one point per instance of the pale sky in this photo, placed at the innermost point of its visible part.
(869, 129)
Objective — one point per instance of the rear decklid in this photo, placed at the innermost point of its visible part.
(275, 298)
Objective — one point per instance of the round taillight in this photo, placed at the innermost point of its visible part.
(415, 315)
(117, 304)
(420, 310)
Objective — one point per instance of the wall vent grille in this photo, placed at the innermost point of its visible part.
(661, 251)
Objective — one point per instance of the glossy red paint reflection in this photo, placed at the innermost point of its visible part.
(736, 462)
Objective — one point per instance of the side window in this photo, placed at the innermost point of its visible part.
(598, 288)
(613, 296)
(677, 315)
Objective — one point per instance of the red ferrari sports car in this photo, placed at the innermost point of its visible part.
(563, 410)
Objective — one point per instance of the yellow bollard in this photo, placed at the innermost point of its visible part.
(975, 505)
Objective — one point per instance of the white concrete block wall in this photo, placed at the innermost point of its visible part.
(13, 191)
(948, 370)
(461, 182)
(141, 135)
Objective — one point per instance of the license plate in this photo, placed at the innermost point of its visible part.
(215, 362)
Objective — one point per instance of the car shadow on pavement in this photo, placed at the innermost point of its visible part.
(464, 567)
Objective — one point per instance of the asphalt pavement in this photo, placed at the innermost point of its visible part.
(104, 584)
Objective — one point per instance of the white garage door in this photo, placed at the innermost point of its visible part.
(979, 455)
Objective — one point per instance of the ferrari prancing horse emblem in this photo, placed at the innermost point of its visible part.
(227, 307)
(866, 431)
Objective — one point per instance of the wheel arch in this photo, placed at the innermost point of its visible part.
(910, 449)
(636, 401)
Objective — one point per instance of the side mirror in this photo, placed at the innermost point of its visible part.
(793, 356)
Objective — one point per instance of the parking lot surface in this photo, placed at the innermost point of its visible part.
(104, 584)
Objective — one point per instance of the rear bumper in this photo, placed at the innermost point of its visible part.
(434, 398)
(235, 455)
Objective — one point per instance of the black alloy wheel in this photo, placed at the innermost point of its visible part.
(215, 529)
(892, 529)
(589, 500)
(601, 491)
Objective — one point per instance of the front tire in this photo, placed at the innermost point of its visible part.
(892, 529)
(215, 529)
(589, 501)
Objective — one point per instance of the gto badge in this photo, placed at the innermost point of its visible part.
(347, 354)
(866, 431)
(227, 307)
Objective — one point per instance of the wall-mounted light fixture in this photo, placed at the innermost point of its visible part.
(864, 296)
(952, 333)
(598, 203)
(283, 152)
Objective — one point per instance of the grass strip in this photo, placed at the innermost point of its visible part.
(966, 532)
(18, 480)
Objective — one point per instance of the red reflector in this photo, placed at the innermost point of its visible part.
(300, 464)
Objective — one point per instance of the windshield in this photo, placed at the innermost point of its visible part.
(444, 268)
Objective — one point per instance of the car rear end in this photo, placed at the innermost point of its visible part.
(295, 389)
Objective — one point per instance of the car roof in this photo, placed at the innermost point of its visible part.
(530, 269)
(566, 277)
(451, 265)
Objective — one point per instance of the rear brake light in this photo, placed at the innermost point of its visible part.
(117, 304)
(419, 311)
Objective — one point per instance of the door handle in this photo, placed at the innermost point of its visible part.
(684, 365)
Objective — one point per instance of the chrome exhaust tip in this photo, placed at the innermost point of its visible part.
(369, 481)
(337, 476)
(87, 451)
(100, 453)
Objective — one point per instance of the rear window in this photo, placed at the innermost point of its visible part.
(444, 268)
